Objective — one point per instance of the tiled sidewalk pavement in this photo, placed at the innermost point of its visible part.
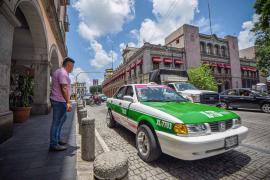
(26, 156)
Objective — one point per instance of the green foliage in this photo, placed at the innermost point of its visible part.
(202, 77)
(262, 33)
(95, 89)
(23, 91)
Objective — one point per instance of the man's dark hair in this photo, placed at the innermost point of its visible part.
(68, 59)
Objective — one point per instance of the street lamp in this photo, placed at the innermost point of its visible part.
(76, 77)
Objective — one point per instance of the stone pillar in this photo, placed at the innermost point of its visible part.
(82, 114)
(41, 103)
(6, 41)
(88, 139)
(233, 52)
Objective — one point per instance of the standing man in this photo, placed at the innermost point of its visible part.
(60, 100)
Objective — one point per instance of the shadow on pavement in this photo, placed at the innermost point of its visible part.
(214, 167)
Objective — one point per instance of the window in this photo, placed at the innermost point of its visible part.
(140, 69)
(155, 66)
(178, 66)
(202, 47)
(120, 93)
(177, 41)
(129, 91)
(219, 70)
(223, 51)
(244, 92)
(231, 92)
(167, 65)
(171, 86)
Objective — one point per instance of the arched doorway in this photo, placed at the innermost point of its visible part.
(54, 60)
(30, 52)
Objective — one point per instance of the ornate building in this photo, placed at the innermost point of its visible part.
(186, 48)
(139, 62)
(32, 38)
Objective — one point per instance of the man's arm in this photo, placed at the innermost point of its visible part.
(64, 90)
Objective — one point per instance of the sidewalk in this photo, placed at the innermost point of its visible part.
(26, 155)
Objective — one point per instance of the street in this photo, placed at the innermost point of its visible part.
(251, 160)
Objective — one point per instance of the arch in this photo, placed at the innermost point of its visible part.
(209, 48)
(30, 50)
(202, 47)
(217, 50)
(223, 51)
(54, 59)
(227, 85)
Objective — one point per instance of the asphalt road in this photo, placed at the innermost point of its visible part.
(251, 160)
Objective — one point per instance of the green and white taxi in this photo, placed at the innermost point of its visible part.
(164, 121)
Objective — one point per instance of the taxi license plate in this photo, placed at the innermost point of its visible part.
(231, 142)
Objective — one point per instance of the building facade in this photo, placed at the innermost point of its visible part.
(139, 62)
(183, 49)
(32, 38)
(79, 89)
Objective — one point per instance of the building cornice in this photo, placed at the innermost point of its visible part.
(53, 20)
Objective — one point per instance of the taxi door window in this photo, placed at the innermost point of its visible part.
(120, 93)
(129, 91)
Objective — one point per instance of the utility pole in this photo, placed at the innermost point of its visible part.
(209, 14)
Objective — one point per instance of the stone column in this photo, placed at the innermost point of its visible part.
(233, 52)
(6, 41)
(41, 103)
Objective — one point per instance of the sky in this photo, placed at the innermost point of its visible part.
(100, 29)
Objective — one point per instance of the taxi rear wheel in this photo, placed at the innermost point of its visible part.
(147, 145)
(110, 119)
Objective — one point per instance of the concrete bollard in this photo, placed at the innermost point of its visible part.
(82, 114)
(111, 165)
(88, 139)
(79, 107)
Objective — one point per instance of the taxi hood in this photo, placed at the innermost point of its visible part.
(193, 113)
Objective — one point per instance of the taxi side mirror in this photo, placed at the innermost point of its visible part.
(128, 98)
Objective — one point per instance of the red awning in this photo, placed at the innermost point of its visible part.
(244, 68)
(213, 65)
(139, 62)
(221, 65)
(254, 69)
(205, 62)
(228, 66)
(178, 61)
(132, 66)
(156, 59)
(128, 69)
(167, 60)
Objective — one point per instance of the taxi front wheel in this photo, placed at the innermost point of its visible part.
(110, 120)
(147, 145)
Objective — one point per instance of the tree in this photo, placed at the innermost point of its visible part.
(95, 89)
(262, 34)
(202, 77)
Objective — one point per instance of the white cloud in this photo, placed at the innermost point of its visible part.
(102, 58)
(170, 15)
(83, 77)
(99, 18)
(204, 26)
(246, 37)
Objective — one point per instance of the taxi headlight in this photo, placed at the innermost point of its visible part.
(180, 129)
(196, 129)
(195, 97)
(190, 129)
(237, 122)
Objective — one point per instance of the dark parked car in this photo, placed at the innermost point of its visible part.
(245, 98)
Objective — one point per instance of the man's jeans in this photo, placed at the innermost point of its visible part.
(59, 117)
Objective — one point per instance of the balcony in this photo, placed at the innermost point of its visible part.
(66, 24)
(64, 2)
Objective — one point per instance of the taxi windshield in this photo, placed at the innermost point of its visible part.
(157, 93)
(185, 86)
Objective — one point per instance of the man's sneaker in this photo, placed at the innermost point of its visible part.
(58, 148)
(62, 142)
